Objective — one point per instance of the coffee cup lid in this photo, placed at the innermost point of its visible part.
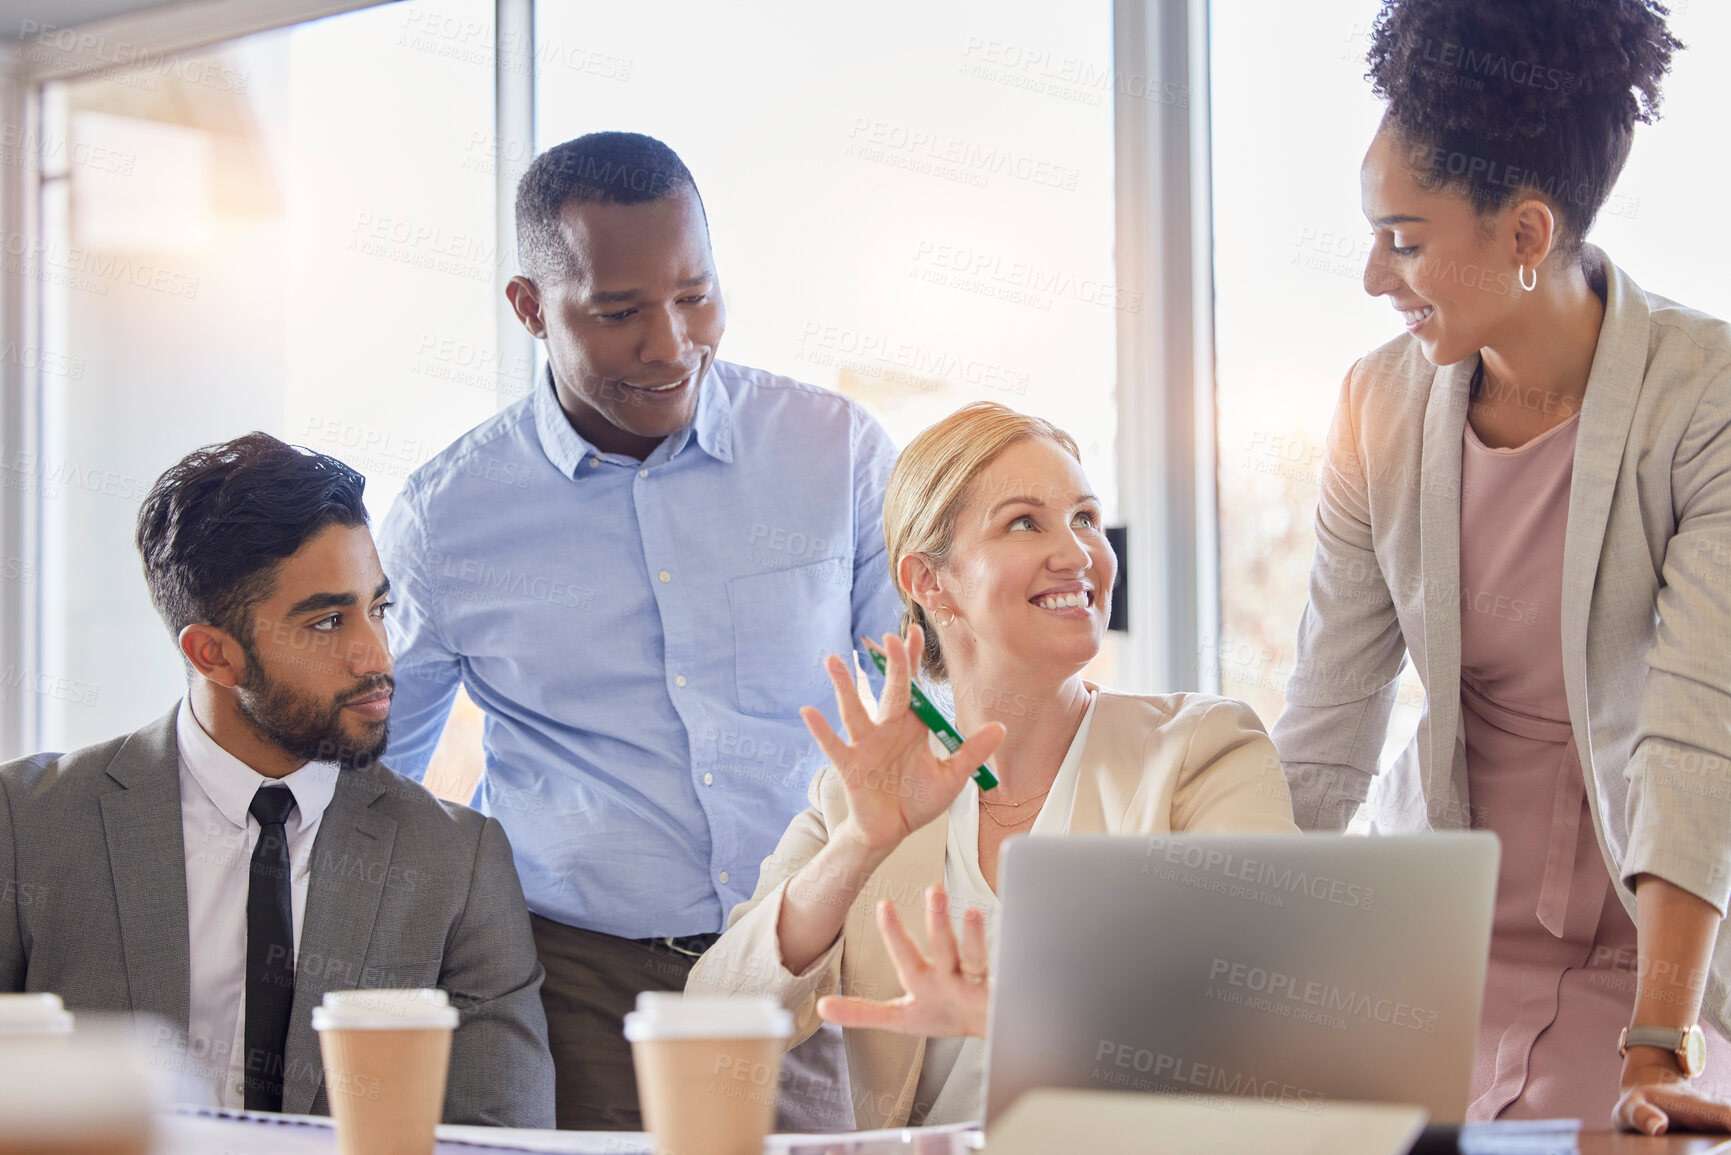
(385, 1010)
(34, 1014)
(673, 1016)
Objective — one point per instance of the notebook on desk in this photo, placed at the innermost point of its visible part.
(1296, 970)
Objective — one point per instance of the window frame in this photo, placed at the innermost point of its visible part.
(1166, 435)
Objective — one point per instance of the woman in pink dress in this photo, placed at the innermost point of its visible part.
(1529, 494)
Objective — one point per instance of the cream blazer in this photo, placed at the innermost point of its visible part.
(1646, 610)
(1177, 762)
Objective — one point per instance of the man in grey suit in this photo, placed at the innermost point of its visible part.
(228, 864)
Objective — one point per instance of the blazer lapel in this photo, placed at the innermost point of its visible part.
(1439, 487)
(1109, 775)
(147, 861)
(351, 860)
(1607, 412)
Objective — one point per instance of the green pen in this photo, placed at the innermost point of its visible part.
(935, 721)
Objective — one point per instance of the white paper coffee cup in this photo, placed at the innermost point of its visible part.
(91, 1092)
(33, 1015)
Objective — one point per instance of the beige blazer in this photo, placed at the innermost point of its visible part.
(1178, 762)
(1646, 608)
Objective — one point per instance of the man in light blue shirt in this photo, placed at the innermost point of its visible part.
(635, 572)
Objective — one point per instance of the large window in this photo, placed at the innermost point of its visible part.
(287, 233)
(918, 221)
(1292, 119)
(295, 232)
(915, 221)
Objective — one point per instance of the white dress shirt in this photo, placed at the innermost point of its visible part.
(952, 1084)
(218, 834)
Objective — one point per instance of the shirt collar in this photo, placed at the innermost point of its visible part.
(230, 783)
(572, 454)
(714, 418)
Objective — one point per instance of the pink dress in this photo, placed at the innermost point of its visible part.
(1562, 965)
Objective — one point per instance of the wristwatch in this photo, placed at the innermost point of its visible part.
(1688, 1044)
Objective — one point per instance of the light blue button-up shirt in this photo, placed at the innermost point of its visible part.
(641, 635)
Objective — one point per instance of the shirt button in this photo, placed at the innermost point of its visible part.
(642, 473)
(665, 576)
(679, 681)
(709, 780)
(594, 461)
(723, 877)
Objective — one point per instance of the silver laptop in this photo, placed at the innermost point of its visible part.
(1292, 969)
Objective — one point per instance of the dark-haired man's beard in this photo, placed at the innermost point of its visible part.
(308, 728)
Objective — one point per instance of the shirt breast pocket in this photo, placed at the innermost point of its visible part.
(784, 622)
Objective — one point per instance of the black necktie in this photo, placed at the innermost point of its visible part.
(270, 941)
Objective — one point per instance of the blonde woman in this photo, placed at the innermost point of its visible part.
(1006, 577)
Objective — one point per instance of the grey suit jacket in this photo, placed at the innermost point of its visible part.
(1646, 610)
(404, 891)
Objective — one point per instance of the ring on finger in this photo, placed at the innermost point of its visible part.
(974, 976)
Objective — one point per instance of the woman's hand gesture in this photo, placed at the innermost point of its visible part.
(1657, 1099)
(947, 994)
(895, 784)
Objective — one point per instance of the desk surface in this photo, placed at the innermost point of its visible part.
(201, 1133)
(1610, 1143)
(190, 1135)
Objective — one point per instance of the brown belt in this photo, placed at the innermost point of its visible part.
(689, 945)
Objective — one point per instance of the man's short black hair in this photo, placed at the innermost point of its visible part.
(616, 168)
(214, 528)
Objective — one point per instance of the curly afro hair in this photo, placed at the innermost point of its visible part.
(1505, 98)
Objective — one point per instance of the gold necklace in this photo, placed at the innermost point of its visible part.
(1009, 825)
(984, 801)
(986, 809)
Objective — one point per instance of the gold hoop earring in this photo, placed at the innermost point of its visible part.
(946, 622)
(1523, 275)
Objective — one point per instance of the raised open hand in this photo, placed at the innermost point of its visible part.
(947, 994)
(895, 784)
